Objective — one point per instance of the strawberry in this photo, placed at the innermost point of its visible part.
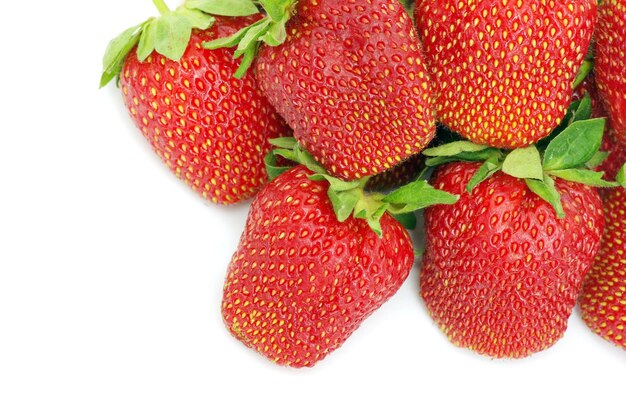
(209, 128)
(603, 298)
(301, 282)
(504, 69)
(348, 76)
(307, 273)
(610, 62)
(501, 272)
(503, 266)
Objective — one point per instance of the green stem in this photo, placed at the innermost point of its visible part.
(161, 6)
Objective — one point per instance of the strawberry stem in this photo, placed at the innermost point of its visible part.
(161, 6)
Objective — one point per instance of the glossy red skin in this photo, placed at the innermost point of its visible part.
(610, 62)
(351, 82)
(495, 83)
(501, 273)
(603, 298)
(300, 281)
(209, 128)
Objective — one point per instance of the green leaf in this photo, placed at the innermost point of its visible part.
(337, 184)
(464, 156)
(575, 145)
(246, 62)
(284, 142)
(251, 36)
(486, 170)
(116, 53)
(583, 110)
(196, 18)
(374, 224)
(224, 7)
(276, 9)
(172, 34)
(408, 220)
(343, 202)
(453, 148)
(372, 213)
(288, 154)
(417, 195)
(621, 176)
(226, 42)
(270, 29)
(546, 189)
(583, 72)
(303, 157)
(146, 41)
(572, 111)
(587, 177)
(597, 159)
(272, 167)
(276, 34)
(523, 163)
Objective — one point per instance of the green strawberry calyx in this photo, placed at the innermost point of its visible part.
(570, 152)
(167, 34)
(270, 30)
(351, 199)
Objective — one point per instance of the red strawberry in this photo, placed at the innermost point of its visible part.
(209, 128)
(301, 281)
(610, 62)
(349, 78)
(504, 69)
(501, 273)
(603, 298)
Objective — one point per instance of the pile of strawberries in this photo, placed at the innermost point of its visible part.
(502, 119)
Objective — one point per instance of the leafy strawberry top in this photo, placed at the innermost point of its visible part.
(570, 152)
(270, 30)
(350, 198)
(169, 33)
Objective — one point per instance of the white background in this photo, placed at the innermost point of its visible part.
(111, 273)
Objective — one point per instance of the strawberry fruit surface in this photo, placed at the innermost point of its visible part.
(603, 299)
(348, 76)
(503, 70)
(209, 128)
(501, 272)
(301, 281)
(610, 63)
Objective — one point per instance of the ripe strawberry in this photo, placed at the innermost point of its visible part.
(504, 69)
(348, 76)
(301, 281)
(610, 62)
(603, 298)
(209, 128)
(501, 272)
